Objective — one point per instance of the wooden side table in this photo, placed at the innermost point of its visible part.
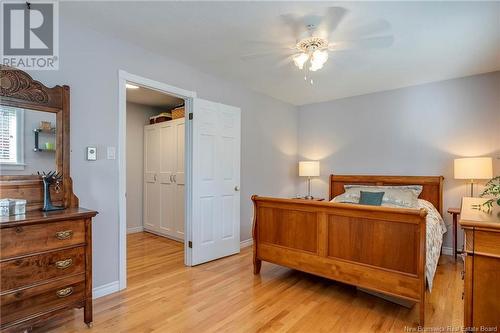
(454, 213)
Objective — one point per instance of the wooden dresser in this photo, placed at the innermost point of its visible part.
(45, 257)
(46, 266)
(482, 265)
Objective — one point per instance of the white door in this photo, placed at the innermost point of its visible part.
(178, 176)
(216, 181)
(151, 189)
(166, 178)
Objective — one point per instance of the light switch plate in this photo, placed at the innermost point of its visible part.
(91, 153)
(111, 153)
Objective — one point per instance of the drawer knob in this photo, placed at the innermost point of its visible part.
(62, 264)
(19, 230)
(65, 234)
(64, 292)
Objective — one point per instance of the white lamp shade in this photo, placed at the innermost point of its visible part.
(309, 168)
(474, 168)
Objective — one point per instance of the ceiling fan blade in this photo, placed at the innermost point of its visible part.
(296, 25)
(265, 43)
(372, 28)
(250, 56)
(331, 20)
(363, 43)
(270, 53)
(269, 44)
(285, 61)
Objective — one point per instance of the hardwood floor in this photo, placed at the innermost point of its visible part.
(224, 296)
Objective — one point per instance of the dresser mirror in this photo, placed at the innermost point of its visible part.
(34, 138)
(27, 141)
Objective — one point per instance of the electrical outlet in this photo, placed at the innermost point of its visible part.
(91, 153)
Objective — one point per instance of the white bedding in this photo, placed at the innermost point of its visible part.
(435, 228)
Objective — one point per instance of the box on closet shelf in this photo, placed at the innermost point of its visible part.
(178, 112)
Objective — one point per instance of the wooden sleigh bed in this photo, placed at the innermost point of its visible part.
(378, 248)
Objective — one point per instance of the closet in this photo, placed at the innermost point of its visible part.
(164, 178)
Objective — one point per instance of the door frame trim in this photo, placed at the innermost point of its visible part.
(187, 95)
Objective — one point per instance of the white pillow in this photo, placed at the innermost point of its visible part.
(400, 196)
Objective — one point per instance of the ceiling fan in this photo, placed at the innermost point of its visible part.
(314, 40)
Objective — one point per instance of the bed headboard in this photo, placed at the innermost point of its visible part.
(432, 186)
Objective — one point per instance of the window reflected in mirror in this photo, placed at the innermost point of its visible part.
(27, 141)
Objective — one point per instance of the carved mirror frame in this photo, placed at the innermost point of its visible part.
(18, 89)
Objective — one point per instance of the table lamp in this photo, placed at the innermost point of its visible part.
(309, 169)
(473, 168)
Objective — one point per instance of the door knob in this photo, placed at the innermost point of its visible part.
(175, 178)
(236, 188)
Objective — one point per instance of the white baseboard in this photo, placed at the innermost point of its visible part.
(132, 230)
(177, 239)
(448, 251)
(246, 243)
(106, 289)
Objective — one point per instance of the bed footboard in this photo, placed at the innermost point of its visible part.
(377, 248)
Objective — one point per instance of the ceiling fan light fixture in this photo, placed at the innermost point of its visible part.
(300, 59)
(318, 59)
(315, 67)
(313, 53)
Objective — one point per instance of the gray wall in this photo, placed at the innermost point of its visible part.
(386, 132)
(89, 64)
(411, 131)
(137, 116)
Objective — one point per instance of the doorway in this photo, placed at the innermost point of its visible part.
(212, 140)
(158, 95)
(155, 163)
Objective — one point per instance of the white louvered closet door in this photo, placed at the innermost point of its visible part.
(179, 178)
(164, 178)
(151, 213)
(167, 186)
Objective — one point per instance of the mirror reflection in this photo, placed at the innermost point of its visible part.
(27, 141)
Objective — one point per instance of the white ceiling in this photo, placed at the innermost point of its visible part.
(433, 41)
(151, 97)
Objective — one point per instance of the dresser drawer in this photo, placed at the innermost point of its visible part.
(30, 270)
(41, 299)
(487, 243)
(34, 238)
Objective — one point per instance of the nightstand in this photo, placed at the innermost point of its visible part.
(454, 213)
